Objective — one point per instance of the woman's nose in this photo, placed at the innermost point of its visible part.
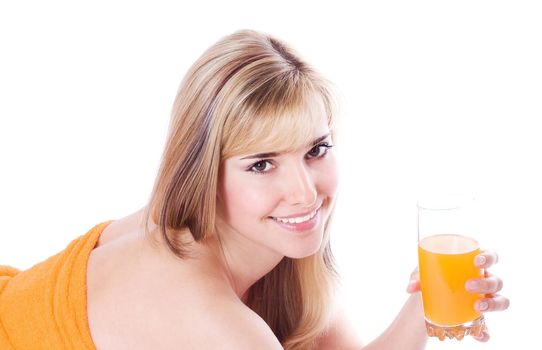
(300, 188)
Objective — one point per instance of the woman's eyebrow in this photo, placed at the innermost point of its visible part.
(276, 154)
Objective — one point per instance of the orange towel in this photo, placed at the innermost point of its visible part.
(45, 307)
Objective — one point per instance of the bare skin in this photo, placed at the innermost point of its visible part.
(140, 297)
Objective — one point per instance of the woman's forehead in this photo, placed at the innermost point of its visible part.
(284, 130)
(277, 143)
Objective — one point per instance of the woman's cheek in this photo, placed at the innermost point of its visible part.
(328, 177)
(256, 196)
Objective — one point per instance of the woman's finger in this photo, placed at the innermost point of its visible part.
(414, 284)
(486, 259)
(496, 303)
(484, 336)
(488, 285)
(415, 275)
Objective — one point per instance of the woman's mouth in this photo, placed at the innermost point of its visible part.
(299, 223)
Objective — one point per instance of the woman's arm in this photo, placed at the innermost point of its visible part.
(407, 330)
(341, 333)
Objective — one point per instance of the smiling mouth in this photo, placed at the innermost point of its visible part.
(297, 220)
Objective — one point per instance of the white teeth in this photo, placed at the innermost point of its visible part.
(297, 220)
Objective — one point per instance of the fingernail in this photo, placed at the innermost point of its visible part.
(480, 337)
(483, 305)
(480, 260)
(410, 285)
(473, 285)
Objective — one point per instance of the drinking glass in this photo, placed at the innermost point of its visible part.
(446, 251)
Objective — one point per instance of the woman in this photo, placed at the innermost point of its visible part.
(232, 251)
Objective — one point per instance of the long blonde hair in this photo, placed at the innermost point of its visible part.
(246, 91)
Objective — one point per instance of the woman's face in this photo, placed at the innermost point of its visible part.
(280, 201)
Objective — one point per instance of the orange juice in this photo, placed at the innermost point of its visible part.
(446, 262)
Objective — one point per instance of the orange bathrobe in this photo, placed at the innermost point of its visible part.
(45, 307)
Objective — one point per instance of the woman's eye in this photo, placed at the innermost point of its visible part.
(319, 150)
(261, 167)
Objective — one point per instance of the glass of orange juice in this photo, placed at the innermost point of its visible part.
(446, 251)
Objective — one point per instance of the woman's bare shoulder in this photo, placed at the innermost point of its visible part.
(121, 228)
(138, 299)
(238, 327)
(160, 315)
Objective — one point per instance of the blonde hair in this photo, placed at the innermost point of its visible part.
(244, 93)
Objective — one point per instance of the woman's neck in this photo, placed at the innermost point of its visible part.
(239, 261)
(242, 262)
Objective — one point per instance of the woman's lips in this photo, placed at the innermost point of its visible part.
(309, 222)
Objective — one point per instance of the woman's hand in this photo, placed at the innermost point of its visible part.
(489, 285)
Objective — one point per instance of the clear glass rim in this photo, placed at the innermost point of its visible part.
(445, 201)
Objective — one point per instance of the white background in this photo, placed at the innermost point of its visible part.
(437, 97)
